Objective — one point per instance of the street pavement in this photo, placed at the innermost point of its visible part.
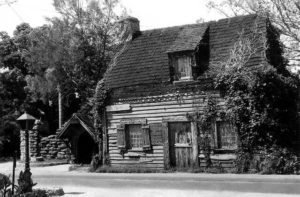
(81, 184)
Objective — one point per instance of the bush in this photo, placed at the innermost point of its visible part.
(42, 193)
(243, 162)
(5, 183)
(278, 161)
(274, 160)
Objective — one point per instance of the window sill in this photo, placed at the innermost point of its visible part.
(224, 151)
(183, 82)
(135, 150)
(223, 157)
(133, 154)
(177, 145)
(220, 157)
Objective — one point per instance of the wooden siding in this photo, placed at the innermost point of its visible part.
(154, 113)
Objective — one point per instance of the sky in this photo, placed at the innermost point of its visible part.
(151, 13)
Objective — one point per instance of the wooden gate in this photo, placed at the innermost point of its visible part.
(180, 142)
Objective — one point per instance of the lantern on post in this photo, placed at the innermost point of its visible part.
(26, 122)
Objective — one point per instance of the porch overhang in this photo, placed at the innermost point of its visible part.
(84, 121)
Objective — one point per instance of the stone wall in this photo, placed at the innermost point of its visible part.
(47, 147)
(53, 148)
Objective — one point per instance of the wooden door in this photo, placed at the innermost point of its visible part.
(180, 142)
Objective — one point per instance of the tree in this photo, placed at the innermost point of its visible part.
(284, 15)
(73, 50)
(12, 96)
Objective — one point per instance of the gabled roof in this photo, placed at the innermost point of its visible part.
(188, 38)
(81, 119)
(144, 60)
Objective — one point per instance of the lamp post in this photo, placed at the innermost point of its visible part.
(26, 122)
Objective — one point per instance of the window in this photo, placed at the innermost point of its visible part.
(226, 135)
(181, 131)
(182, 67)
(135, 136)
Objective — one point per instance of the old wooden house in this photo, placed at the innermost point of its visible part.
(156, 81)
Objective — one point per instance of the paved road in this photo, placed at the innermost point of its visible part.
(172, 184)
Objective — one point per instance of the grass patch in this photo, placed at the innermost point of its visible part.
(43, 193)
(109, 169)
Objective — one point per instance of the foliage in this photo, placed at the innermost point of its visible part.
(100, 100)
(278, 160)
(204, 121)
(12, 95)
(261, 102)
(72, 50)
(95, 163)
(25, 182)
(43, 193)
(283, 14)
(273, 160)
(76, 47)
(5, 183)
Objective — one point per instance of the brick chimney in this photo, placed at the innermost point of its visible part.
(130, 28)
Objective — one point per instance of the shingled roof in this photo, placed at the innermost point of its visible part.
(144, 60)
(81, 119)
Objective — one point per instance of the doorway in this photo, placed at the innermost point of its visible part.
(180, 142)
(85, 148)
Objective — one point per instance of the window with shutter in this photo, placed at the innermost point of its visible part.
(146, 137)
(121, 136)
(133, 135)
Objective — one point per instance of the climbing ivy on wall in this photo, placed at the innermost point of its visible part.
(100, 100)
(261, 102)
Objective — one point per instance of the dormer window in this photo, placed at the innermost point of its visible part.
(182, 67)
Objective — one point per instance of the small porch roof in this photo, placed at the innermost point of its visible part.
(77, 118)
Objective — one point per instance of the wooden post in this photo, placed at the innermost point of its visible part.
(13, 176)
(27, 157)
(104, 137)
(166, 144)
(60, 110)
(195, 152)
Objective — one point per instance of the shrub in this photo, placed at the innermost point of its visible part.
(5, 183)
(274, 160)
(279, 161)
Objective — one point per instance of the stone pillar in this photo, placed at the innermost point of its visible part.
(22, 145)
(34, 143)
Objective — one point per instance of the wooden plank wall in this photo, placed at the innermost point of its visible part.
(154, 112)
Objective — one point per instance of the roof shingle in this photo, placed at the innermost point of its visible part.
(145, 59)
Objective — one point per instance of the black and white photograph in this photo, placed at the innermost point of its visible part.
(149, 98)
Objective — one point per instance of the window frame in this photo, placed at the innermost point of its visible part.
(174, 65)
(129, 140)
(218, 138)
(145, 135)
